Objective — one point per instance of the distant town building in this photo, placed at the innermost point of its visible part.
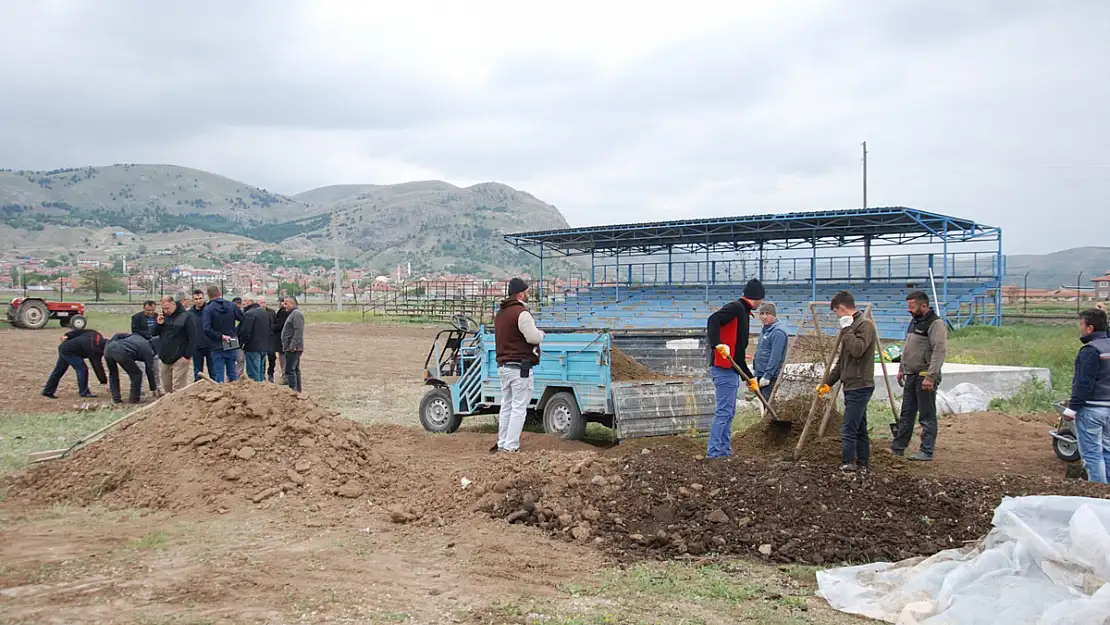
(1102, 287)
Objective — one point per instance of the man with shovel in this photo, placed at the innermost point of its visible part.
(919, 374)
(855, 370)
(727, 333)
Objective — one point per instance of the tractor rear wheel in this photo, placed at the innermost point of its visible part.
(34, 315)
(562, 417)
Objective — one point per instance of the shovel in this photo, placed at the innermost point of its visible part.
(758, 392)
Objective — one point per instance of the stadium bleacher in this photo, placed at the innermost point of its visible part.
(686, 306)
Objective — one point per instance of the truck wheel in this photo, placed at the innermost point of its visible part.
(562, 417)
(78, 322)
(33, 315)
(1066, 450)
(437, 413)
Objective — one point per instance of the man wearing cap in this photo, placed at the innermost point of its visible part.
(770, 352)
(517, 342)
(727, 330)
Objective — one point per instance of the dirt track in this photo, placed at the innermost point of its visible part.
(324, 519)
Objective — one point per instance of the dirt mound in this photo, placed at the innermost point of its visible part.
(662, 503)
(625, 367)
(213, 446)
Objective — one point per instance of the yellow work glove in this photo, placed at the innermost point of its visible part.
(823, 390)
(753, 385)
(723, 350)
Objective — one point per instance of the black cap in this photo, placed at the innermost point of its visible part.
(516, 285)
(237, 300)
(754, 290)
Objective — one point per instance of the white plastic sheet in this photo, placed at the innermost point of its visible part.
(963, 398)
(1045, 562)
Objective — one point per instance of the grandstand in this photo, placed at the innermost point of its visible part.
(669, 276)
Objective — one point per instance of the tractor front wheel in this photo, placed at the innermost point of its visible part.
(437, 413)
(33, 315)
(78, 322)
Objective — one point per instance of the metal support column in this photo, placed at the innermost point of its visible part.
(866, 260)
(760, 261)
(707, 277)
(944, 314)
(813, 271)
(617, 275)
(670, 265)
(593, 275)
(999, 271)
(539, 288)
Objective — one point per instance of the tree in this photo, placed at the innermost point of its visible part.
(289, 288)
(102, 281)
(148, 285)
(142, 250)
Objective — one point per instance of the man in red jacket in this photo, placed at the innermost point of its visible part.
(728, 328)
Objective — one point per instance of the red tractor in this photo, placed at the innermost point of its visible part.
(35, 312)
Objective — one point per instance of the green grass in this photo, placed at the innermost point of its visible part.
(678, 593)
(22, 434)
(1020, 345)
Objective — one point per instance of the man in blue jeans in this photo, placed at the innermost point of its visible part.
(855, 370)
(727, 330)
(219, 321)
(1089, 406)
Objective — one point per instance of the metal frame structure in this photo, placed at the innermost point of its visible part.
(868, 227)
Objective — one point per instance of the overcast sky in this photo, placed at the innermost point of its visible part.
(610, 110)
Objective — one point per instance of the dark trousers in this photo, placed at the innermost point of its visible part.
(920, 404)
(133, 372)
(855, 443)
(271, 357)
(201, 358)
(65, 361)
(293, 370)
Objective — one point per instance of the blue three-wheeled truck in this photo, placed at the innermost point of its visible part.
(573, 387)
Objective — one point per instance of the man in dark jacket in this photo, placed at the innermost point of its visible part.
(126, 350)
(142, 322)
(279, 323)
(271, 351)
(203, 354)
(1089, 405)
(76, 347)
(728, 328)
(255, 339)
(219, 322)
(855, 370)
(177, 335)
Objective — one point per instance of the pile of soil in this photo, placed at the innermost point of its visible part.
(213, 446)
(626, 368)
(663, 503)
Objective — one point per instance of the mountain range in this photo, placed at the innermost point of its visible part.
(432, 225)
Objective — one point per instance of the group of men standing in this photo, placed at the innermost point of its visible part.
(728, 333)
(227, 338)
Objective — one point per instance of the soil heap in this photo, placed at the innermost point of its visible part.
(625, 368)
(214, 446)
(664, 503)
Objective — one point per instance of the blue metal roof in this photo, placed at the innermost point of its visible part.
(896, 225)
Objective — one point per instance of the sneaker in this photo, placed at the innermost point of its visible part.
(901, 453)
(922, 457)
(89, 395)
(847, 467)
(50, 395)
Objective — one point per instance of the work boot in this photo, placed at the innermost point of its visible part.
(847, 467)
(89, 395)
(50, 395)
(901, 453)
(922, 457)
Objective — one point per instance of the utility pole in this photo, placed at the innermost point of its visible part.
(865, 174)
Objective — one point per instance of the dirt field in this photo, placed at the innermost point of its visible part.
(249, 504)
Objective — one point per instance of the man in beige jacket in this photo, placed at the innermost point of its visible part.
(919, 375)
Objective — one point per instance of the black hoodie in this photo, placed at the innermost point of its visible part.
(88, 344)
(179, 336)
